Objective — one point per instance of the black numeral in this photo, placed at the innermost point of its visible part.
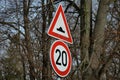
(64, 62)
(57, 61)
(64, 58)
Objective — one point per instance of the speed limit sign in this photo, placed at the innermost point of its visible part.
(60, 58)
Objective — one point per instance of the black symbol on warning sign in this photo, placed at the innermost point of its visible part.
(61, 30)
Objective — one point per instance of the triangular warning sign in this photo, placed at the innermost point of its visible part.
(59, 27)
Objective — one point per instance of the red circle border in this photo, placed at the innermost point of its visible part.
(54, 45)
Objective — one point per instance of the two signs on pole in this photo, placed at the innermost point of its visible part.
(60, 55)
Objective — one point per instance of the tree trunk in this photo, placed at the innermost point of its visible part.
(50, 7)
(85, 33)
(98, 39)
(27, 38)
(44, 52)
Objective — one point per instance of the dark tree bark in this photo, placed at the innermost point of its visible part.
(85, 35)
(50, 8)
(26, 4)
(85, 29)
(44, 52)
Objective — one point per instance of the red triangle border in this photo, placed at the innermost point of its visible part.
(58, 36)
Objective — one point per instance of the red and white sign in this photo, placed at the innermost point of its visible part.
(60, 58)
(59, 27)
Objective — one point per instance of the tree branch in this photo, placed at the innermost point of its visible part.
(11, 25)
(71, 3)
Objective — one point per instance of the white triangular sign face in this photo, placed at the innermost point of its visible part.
(59, 27)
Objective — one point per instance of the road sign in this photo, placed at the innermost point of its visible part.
(59, 27)
(60, 58)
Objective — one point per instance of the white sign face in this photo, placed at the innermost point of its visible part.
(60, 57)
(60, 27)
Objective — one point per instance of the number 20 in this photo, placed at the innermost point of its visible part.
(63, 53)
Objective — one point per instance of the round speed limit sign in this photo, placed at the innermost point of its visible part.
(60, 58)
